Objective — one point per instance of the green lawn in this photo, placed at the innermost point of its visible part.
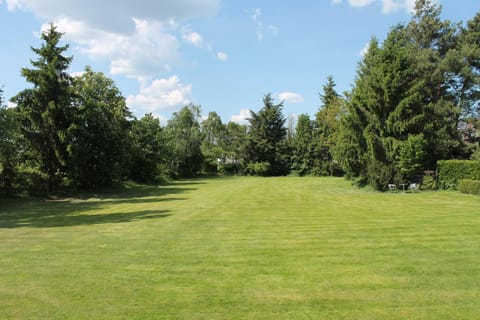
(242, 248)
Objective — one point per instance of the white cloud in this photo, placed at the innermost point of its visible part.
(11, 105)
(161, 95)
(242, 117)
(140, 39)
(77, 73)
(360, 3)
(192, 37)
(222, 56)
(291, 97)
(388, 6)
(364, 51)
(261, 30)
(149, 50)
(116, 16)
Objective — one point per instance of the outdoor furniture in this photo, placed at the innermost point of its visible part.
(403, 186)
(392, 187)
(413, 186)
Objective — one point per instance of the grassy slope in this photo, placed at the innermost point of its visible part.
(242, 248)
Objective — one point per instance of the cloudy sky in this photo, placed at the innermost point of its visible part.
(222, 55)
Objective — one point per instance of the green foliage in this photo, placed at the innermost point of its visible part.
(183, 132)
(266, 140)
(469, 186)
(429, 183)
(32, 179)
(149, 151)
(213, 141)
(258, 168)
(476, 154)
(10, 147)
(45, 109)
(450, 172)
(303, 156)
(234, 144)
(404, 108)
(100, 141)
(380, 174)
(326, 131)
(229, 169)
(411, 156)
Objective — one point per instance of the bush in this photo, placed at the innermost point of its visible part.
(450, 172)
(33, 180)
(379, 175)
(469, 186)
(229, 169)
(258, 168)
(428, 183)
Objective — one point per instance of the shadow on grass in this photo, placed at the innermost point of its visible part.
(84, 208)
(49, 220)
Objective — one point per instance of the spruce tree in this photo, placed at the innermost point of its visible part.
(266, 142)
(45, 108)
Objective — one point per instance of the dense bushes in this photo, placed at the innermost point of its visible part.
(258, 168)
(469, 186)
(450, 172)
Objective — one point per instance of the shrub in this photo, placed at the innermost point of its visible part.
(450, 172)
(258, 168)
(428, 183)
(380, 175)
(33, 180)
(229, 169)
(469, 186)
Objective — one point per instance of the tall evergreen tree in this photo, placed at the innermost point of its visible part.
(326, 129)
(266, 142)
(433, 39)
(302, 158)
(45, 108)
(463, 63)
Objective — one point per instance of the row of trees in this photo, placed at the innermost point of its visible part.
(409, 96)
(401, 116)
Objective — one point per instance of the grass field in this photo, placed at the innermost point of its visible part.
(242, 248)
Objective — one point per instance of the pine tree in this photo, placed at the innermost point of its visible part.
(45, 108)
(266, 142)
(326, 130)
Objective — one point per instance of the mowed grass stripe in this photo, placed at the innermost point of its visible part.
(242, 248)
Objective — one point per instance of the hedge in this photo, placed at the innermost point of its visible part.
(469, 186)
(450, 172)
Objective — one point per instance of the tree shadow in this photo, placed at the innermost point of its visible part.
(84, 208)
(58, 219)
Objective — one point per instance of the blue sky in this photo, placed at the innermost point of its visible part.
(222, 55)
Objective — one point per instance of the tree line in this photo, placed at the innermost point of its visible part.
(402, 115)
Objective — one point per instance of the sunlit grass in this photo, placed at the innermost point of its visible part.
(242, 248)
